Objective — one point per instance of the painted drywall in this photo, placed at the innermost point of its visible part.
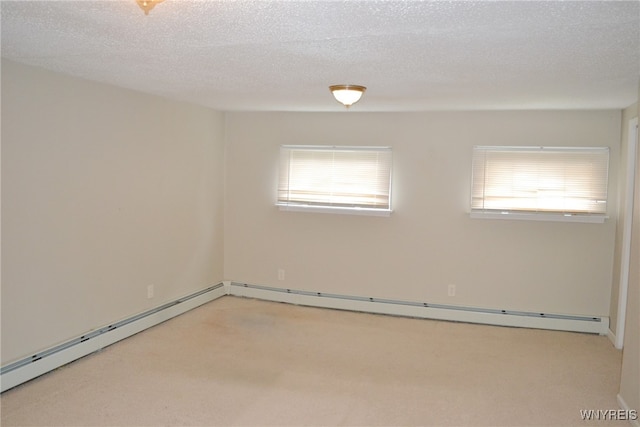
(429, 241)
(104, 192)
(627, 114)
(630, 373)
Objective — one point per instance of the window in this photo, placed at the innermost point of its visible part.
(562, 183)
(326, 178)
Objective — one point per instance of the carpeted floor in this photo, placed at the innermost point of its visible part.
(239, 361)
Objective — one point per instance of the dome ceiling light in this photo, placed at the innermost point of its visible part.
(147, 5)
(347, 95)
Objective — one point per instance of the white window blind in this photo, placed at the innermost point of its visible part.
(540, 180)
(336, 177)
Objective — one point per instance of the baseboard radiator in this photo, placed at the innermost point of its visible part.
(586, 324)
(47, 360)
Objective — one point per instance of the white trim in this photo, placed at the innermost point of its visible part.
(626, 233)
(534, 148)
(588, 324)
(612, 337)
(334, 210)
(531, 216)
(227, 287)
(623, 405)
(49, 362)
(339, 147)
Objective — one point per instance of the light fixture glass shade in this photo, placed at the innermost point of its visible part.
(147, 5)
(347, 95)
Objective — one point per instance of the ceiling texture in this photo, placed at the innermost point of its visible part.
(283, 55)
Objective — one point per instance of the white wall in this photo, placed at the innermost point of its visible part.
(104, 191)
(429, 241)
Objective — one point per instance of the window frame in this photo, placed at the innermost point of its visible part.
(319, 207)
(559, 215)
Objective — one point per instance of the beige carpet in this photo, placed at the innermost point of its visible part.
(238, 361)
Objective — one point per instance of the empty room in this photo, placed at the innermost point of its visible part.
(320, 213)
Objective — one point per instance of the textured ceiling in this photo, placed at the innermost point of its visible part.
(283, 55)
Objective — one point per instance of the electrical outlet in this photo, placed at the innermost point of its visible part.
(451, 291)
(280, 274)
(150, 291)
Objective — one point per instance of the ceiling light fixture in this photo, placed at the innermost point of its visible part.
(347, 95)
(147, 5)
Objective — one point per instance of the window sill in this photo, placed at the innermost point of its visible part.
(556, 217)
(336, 210)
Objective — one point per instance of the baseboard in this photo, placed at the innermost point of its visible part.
(623, 405)
(612, 337)
(586, 324)
(42, 362)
